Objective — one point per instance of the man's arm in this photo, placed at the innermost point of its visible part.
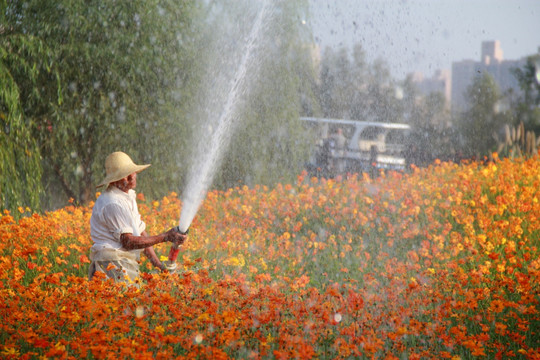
(151, 255)
(132, 242)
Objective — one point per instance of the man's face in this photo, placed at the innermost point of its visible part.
(131, 181)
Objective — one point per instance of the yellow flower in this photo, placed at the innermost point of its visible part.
(203, 317)
(236, 261)
(9, 350)
(159, 329)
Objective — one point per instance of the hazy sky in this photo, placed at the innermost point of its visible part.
(426, 35)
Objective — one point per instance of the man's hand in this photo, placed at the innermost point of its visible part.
(169, 267)
(177, 238)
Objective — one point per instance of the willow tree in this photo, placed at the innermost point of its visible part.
(127, 69)
(25, 62)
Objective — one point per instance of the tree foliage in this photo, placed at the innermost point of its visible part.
(527, 107)
(25, 62)
(266, 143)
(82, 79)
(127, 71)
(352, 88)
(432, 136)
(134, 76)
(481, 123)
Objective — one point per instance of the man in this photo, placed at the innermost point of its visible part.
(340, 139)
(116, 227)
(339, 151)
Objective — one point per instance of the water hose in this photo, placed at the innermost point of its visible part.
(173, 253)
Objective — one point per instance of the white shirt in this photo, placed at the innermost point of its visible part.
(115, 213)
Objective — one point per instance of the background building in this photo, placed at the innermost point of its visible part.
(440, 82)
(454, 84)
(492, 62)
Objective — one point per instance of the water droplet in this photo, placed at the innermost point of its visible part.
(337, 317)
(79, 170)
(139, 312)
(198, 339)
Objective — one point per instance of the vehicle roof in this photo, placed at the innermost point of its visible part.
(357, 123)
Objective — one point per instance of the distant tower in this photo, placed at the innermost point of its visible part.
(491, 52)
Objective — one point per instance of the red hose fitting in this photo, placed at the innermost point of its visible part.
(175, 249)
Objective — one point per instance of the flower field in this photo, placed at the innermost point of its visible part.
(441, 263)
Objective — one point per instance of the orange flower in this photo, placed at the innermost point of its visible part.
(496, 306)
(360, 267)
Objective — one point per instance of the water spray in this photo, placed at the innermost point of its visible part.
(201, 175)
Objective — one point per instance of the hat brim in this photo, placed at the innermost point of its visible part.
(122, 174)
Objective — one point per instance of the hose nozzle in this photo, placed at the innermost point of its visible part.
(177, 228)
(173, 253)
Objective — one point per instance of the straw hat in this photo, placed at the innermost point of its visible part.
(118, 165)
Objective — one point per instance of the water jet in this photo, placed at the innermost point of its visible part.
(211, 148)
